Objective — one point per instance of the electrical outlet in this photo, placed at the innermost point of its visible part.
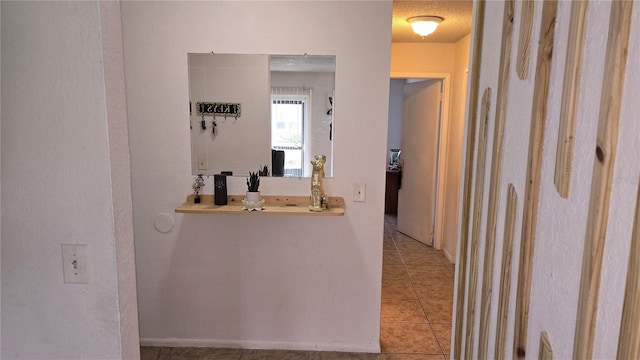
(75, 266)
(360, 192)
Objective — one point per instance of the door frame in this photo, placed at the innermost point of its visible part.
(443, 146)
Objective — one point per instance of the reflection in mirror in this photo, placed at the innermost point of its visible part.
(248, 111)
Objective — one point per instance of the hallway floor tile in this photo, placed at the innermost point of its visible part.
(413, 329)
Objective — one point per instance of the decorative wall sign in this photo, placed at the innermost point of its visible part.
(219, 109)
(468, 177)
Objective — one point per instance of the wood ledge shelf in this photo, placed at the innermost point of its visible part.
(273, 205)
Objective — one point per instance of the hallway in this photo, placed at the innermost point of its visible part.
(417, 298)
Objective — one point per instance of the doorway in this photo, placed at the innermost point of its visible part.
(424, 149)
(421, 118)
(417, 280)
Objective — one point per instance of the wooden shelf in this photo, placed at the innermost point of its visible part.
(273, 205)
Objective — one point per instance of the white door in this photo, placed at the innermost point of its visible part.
(420, 128)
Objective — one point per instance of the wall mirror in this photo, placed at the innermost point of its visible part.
(248, 111)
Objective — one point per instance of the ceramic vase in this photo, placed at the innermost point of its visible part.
(252, 196)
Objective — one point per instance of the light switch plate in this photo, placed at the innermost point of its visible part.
(202, 164)
(75, 266)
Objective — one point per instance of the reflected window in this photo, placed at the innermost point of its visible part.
(290, 116)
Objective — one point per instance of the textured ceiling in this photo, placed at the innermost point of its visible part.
(456, 23)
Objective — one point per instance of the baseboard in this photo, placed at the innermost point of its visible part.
(261, 345)
(449, 257)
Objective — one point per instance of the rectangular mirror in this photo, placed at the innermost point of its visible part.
(248, 111)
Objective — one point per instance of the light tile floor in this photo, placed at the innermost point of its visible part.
(417, 300)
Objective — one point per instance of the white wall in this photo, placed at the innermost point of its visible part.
(394, 130)
(422, 57)
(455, 145)
(257, 281)
(57, 183)
(561, 223)
(120, 166)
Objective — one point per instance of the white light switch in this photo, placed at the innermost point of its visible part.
(360, 192)
(75, 266)
(202, 164)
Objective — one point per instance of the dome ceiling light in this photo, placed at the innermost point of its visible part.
(424, 25)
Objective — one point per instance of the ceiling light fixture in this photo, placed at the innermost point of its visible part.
(424, 25)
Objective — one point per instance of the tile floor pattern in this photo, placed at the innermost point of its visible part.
(417, 298)
(417, 301)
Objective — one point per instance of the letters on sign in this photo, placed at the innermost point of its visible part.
(219, 109)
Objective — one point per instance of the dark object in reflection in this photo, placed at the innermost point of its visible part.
(277, 162)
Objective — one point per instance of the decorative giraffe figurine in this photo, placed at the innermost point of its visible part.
(318, 199)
